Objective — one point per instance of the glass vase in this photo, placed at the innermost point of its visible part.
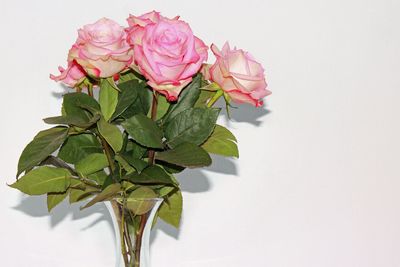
(132, 224)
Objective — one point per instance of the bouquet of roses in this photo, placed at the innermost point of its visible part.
(141, 110)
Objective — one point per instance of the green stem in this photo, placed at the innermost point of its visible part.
(132, 248)
(153, 115)
(90, 90)
(80, 188)
(139, 237)
(107, 151)
(57, 162)
(106, 147)
(122, 233)
(214, 99)
(143, 218)
(130, 251)
(88, 183)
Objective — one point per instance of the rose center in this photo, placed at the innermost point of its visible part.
(103, 35)
(169, 37)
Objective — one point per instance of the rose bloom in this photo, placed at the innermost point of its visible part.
(137, 24)
(71, 76)
(239, 75)
(101, 49)
(167, 53)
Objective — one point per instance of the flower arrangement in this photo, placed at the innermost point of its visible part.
(141, 109)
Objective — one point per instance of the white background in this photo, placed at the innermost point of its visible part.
(318, 180)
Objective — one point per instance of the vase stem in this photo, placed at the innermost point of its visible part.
(143, 219)
(123, 234)
(132, 233)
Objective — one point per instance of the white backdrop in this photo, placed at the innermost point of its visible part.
(317, 183)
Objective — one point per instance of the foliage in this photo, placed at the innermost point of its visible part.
(122, 147)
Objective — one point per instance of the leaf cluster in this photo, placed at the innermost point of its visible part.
(127, 145)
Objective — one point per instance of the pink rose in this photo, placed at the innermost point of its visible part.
(238, 74)
(101, 49)
(71, 76)
(137, 24)
(168, 55)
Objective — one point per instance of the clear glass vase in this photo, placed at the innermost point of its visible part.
(132, 224)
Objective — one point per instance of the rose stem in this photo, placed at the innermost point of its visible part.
(139, 236)
(90, 90)
(131, 251)
(143, 218)
(122, 234)
(107, 151)
(153, 117)
(119, 212)
(104, 143)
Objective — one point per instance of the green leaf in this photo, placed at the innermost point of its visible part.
(136, 163)
(111, 133)
(193, 125)
(127, 96)
(141, 201)
(45, 143)
(171, 168)
(130, 75)
(127, 185)
(162, 106)
(211, 87)
(222, 142)
(74, 121)
(135, 150)
(205, 96)
(125, 165)
(57, 162)
(78, 147)
(144, 131)
(91, 164)
(53, 199)
(43, 180)
(187, 99)
(108, 98)
(78, 191)
(93, 110)
(142, 103)
(108, 193)
(99, 177)
(171, 209)
(165, 190)
(152, 175)
(186, 155)
(109, 181)
(50, 131)
(74, 130)
(73, 106)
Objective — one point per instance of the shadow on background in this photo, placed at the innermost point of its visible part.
(196, 181)
(64, 90)
(244, 114)
(35, 206)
